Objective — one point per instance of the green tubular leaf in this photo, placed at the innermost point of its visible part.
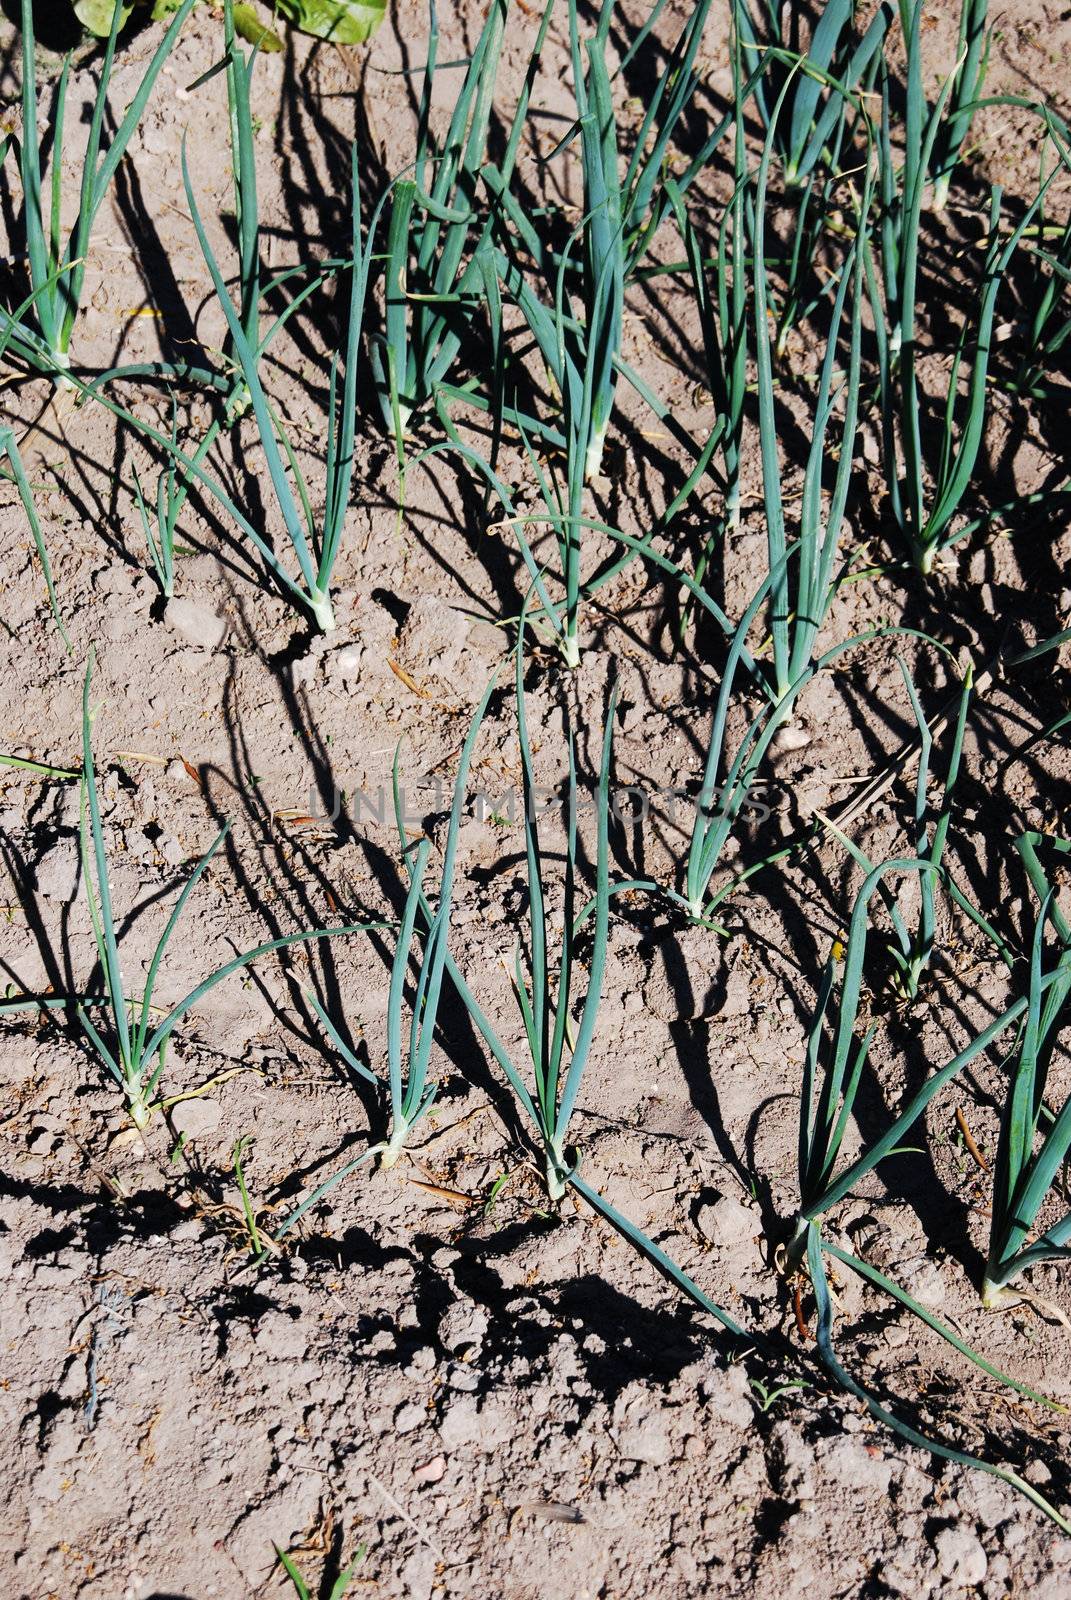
(1027, 846)
(41, 769)
(824, 1335)
(1018, 1123)
(248, 1212)
(106, 938)
(342, 437)
(248, 359)
(423, 136)
(647, 1247)
(604, 248)
(96, 179)
(805, 1153)
(339, 21)
(244, 167)
(1024, 1177)
(848, 1091)
(918, 148)
(47, 1002)
(538, 1019)
(872, 1275)
(397, 314)
(971, 65)
(172, 922)
(102, 1049)
(398, 1092)
(566, 964)
(171, 1022)
(902, 1125)
(9, 448)
(54, 247)
(535, 1045)
(771, 466)
(824, 41)
(292, 1572)
(155, 552)
(1052, 1246)
(355, 1064)
(867, 51)
(41, 268)
(586, 1030)
(923, 847)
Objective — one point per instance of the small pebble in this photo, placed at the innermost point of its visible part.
(430, 1471)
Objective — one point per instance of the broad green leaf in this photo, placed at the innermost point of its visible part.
(341, 21)
(249, 26)
(96, 15)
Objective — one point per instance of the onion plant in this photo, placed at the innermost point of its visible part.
(571, 298)
(816, 114)
(968, 76)
(437, 274)
(645, 189)
(816, 1250)
(910, 951)
(132, 1048)
(563, 494)
(729, 777)
(39, 333)
(558, 1054)
(411, 1093)
(315, 542)
(796, 619)
(832, 1078)
(339, 1588)
(439, 263)
(9, 449)
(832, 1075)
(173, 485)
(1046, 311)
(833, 1070)
(558, 1047)
(796, 610)
(578, 337)
(1034, 1143)
(926, 490)
(722, 307)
